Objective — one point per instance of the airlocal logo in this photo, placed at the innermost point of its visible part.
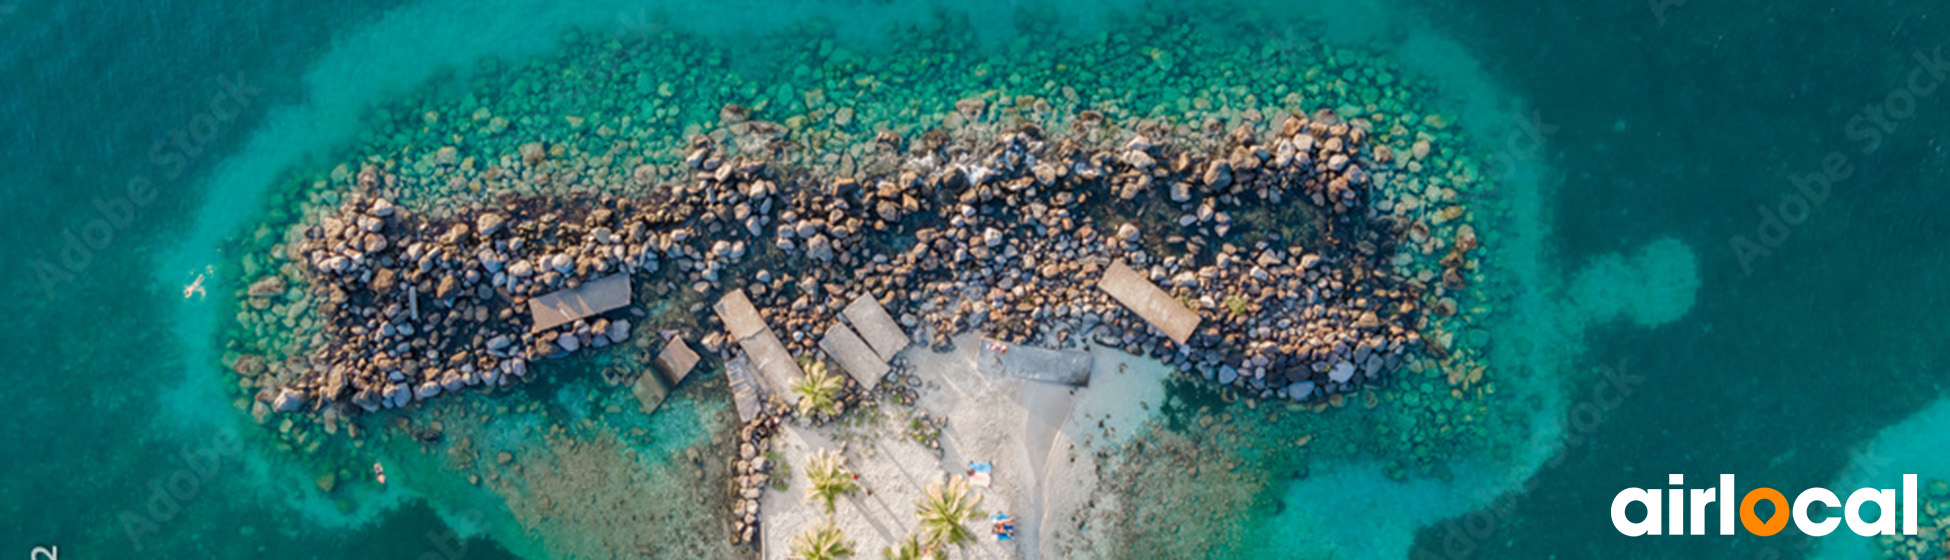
(1677, 510)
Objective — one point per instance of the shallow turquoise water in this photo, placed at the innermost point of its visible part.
(1649, 123)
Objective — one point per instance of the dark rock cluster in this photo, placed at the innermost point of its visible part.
(1261, 230)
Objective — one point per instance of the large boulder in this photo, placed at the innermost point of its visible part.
(489, 223)
(269, 286)
(619, 330)
(819, 248)
(288, 400)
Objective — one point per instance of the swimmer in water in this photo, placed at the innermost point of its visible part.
(195, 288)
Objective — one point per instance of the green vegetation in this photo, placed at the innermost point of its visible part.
(819, 391)
(1238, 306)
(821, 543)
(922, 431)
(827, 478)
(782, 471)
(943, 511)
(909, 549)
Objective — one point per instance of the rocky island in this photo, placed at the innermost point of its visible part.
(1290, 244)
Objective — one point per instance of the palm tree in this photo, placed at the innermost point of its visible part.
(828, 478)
(943, 510)
(819, 391)
(821, 543)
(909, 549)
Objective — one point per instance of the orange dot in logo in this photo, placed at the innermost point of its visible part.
(1752, 522)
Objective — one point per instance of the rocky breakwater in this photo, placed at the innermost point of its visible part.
(1286, 233)
(753, 471)
(415, 305)
(1003, 228)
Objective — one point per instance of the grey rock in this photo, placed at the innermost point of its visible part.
(1342, 372)
(618, 331)
(1301, 390)
(489, 223)
(289, 400)
(820, 248)
(1218, 176)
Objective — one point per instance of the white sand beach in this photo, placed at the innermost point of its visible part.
(1041, 438)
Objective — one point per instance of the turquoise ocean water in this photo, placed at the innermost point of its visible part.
(1653, 150)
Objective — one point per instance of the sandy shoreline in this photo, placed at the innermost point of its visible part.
(1042, 440)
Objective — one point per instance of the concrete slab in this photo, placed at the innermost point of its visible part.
(560, 307)
(876, 326)
(677, 360)
(853, 354)
(650, 390)
(775, 366)
(740, 317)
(740, 374)
(1034, 363)
(1149, 302)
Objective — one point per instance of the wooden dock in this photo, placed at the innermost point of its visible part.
(673, 365)
(677, 360)
(853, 354)
(776, 368)
(1149, 302)
(876, 326)
(565, 306)
(865, 347)
(742, 377)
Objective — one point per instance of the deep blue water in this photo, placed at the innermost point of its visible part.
(1687, 127)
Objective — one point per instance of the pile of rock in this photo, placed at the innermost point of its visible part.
(996, 236)
(415, 305)
(988, 228)
(753, 472)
